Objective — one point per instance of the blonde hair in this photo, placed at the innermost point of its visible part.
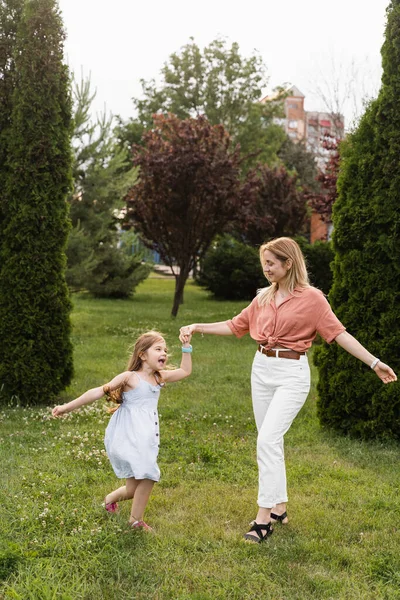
(135, 363)
(284, 248)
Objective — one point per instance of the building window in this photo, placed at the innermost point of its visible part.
(293, 105)
(293, 124)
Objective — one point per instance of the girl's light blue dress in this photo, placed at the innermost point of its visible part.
(132, 437)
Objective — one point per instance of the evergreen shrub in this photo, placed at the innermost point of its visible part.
(366, 287)
(99, 257)
(116, 275)
(35, 348)
(105, 269)
(231, 270)
(319, 257)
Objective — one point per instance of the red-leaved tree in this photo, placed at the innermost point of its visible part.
(275, 205)
(188, 191)
(322, 202)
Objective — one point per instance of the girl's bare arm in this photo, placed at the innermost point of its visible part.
(90, 396)
(184, 370)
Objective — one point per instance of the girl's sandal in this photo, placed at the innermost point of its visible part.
(259, 528)
(280, 518)
(141, 525)
(111, 507)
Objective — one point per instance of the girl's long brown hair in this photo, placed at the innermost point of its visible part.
(284, 248)
(142, 344)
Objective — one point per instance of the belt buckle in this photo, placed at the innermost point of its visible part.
(275, 352)
(266, 351)
(262, 349)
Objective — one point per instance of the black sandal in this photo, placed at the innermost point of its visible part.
(259, 528)
(279, 518)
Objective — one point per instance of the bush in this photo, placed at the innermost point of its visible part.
(99, 255)
(231, 270)
(116, 275)
(319, 257)
(105, 270)
(366, 287)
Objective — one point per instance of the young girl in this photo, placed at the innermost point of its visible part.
(132, 436)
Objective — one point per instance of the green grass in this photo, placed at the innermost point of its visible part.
(58, 543)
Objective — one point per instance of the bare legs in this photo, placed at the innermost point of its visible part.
(141, 497)
(279, 510)
(139, 490)
(264, 514)
(120, 494)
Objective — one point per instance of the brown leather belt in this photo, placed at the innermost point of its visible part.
(281, 353)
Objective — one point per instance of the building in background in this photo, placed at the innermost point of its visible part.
(303, 125)
(310, 127)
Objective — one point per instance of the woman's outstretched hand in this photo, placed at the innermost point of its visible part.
(385, 373)
(186, 332)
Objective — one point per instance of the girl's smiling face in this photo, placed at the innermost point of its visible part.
(156, 356)
(274, 269)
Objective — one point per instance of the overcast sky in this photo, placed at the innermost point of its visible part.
(311, 44)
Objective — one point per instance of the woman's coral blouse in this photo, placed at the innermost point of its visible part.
(294, 324)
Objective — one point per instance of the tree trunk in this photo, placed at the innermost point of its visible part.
(180, 281)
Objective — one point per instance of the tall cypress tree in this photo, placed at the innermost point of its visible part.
(35, 349)
(10, 14)
(366, 289)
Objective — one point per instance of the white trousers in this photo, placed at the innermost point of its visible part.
(279, 389)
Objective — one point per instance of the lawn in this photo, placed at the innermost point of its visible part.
(57, 542)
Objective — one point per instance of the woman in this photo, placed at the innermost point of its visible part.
(283, 319)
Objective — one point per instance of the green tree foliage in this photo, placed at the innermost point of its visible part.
(103, 173)
(35, 349)
(189, 190)
(299, 160)
(231, 270)
(319, 257)
(366, 289)
(10, 14)
(220, 84)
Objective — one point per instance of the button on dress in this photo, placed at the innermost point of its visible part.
(132, 436)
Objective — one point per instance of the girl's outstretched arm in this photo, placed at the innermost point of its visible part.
(184, 370)
(90, 396)
(353, 346)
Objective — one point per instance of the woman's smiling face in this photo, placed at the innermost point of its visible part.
(274, 269)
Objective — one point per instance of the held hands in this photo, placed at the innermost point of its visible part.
(186, 332)
(385, 373)
(186, 343)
